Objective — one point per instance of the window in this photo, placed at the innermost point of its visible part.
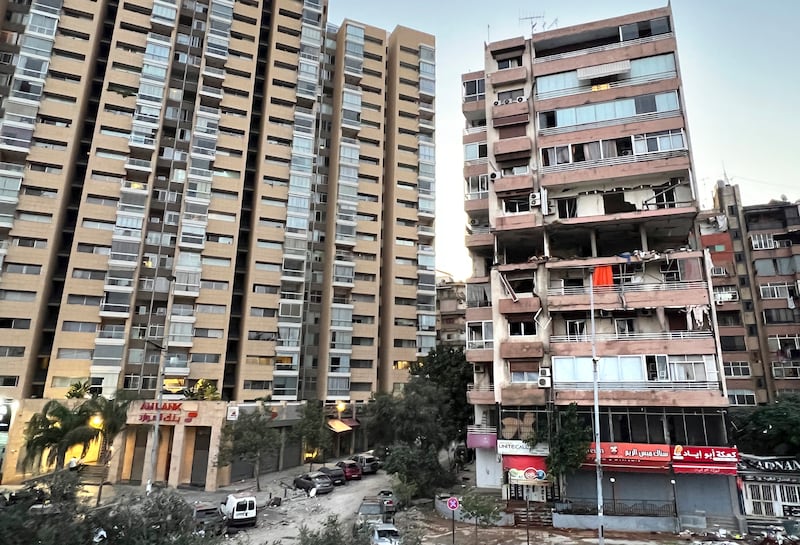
(645, 29)
(82, 327)
(474, 90)
(526, 327)
(777, 290)
(257, 384)
(742, 397)
(480, 335)
(219, 285)
(207, 333)
(781, 316)
(22, 268)
(736, 368)
(732, 343)
(8, 381)
(205, 358)
(15, 323)
(75, 353)
(16, 295)
(729, 318)
(576, 330)
(512, 62)
(567, 208)
(725, 294)
(625, 326)
(516, 205)
(12, 351)
(87, 300)
(475, 150)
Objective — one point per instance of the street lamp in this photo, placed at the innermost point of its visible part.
(340, 407)
(613, 494)
(675, 506)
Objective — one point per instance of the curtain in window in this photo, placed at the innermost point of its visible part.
(649, 66)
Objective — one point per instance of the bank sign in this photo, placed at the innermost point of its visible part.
(169, 412)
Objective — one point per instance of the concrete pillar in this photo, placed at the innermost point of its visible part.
(593, 241)
(643, 236)
(281, 450)
(213, 453)
(148, 451)
(176, 459)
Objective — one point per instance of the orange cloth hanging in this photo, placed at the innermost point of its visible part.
(603, 276)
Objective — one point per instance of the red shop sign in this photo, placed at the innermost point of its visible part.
(525, 469)
(705, 460)
(630, 457)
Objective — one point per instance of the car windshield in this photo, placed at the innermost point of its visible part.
(388, 533)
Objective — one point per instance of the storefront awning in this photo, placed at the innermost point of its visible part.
(338, 426)
(352, 422)
(705, 460)
(630, 457)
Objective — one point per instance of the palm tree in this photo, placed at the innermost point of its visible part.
(54, 430)
(112, 416)
(78, 390)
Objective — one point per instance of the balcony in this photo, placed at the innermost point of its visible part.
(480, 394)
(509, 75)
(635, 296)
(510, 183)
(479, 236)
(523, 393)
(481, 437)
(522, 305)
(514, 222)
(613, 85)
(601, 48)
(657, 342)
(642, 393)
(521, 349)
(615, 161)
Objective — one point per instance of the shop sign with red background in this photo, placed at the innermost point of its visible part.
(530, 470)
(705, 460)
(638, 457)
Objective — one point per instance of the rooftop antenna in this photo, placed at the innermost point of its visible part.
(534, 21)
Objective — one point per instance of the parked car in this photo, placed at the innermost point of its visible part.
(208, 519)
(368, 462)
(239, 510)
(352, 471)
(370, 512)
(335, 473)
(315, 479)
(384, 534)
(387, 497)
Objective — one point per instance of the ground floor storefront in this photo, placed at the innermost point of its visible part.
(769, 488)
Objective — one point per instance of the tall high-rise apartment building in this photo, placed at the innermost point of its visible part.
(581, 204)
(231, 191)
(755, 276)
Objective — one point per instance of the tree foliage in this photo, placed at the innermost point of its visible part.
(79, 390)
(203, 390)
(332, 533)
(447, 367)
(312, 431)
(249, 439)
(772, 429)
(417, 466)
(49, 511)
(569, 444)
(54, 430)
(482, 508)
(113, 416)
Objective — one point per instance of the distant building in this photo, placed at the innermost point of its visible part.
(451, 306)
(578, 173)
(755, 252)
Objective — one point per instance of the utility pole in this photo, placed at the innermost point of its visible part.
(596, 383)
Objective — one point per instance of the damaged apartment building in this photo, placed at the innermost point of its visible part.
(578, 173)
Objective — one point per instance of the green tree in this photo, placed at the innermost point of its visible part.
(772, 429)
(54, 430)
(78, 390)
(203, 390)
(332, 533)
(447, 367)
(313, 432)
(417, 467)
(249, 439)
(112, 415)
(482, 508)
(569, 445)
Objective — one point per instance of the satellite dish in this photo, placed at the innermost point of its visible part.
(313, 492)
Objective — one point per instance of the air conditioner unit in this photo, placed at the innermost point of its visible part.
(521, 99)
(534, 200)
(508, 101)
(494, 175)
(545, 382)
(479, 368)
(544, 371)
(497, 103)
(552, 208)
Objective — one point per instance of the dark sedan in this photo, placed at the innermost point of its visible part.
(315, 479)
(335, 473)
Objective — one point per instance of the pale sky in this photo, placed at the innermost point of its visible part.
(741, 84)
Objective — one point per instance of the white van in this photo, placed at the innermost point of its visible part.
(239, 510)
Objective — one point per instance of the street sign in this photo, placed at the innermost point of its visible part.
(452, 503)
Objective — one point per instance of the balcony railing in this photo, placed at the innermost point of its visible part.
(600, 48)
(639, 80)
(639, 385)
(622, 288)
(612, 161)
(636, 336)
(645, 508)
(641, 118)
(480, 387)
(482, 430)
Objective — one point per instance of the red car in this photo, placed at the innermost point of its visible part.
(351, 469)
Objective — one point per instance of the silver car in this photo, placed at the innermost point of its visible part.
(314, 480)
(384, 534)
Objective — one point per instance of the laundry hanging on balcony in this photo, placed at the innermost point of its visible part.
(603, 276)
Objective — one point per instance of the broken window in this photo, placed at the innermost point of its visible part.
(567, 208)
(615, 202)
(665, 196)
(625, 326)
(547, 120)
(522, 282)
(516, 205)
(589, 151)
(617, 147)
(521, 327)
(576, 330)
(558, 155)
